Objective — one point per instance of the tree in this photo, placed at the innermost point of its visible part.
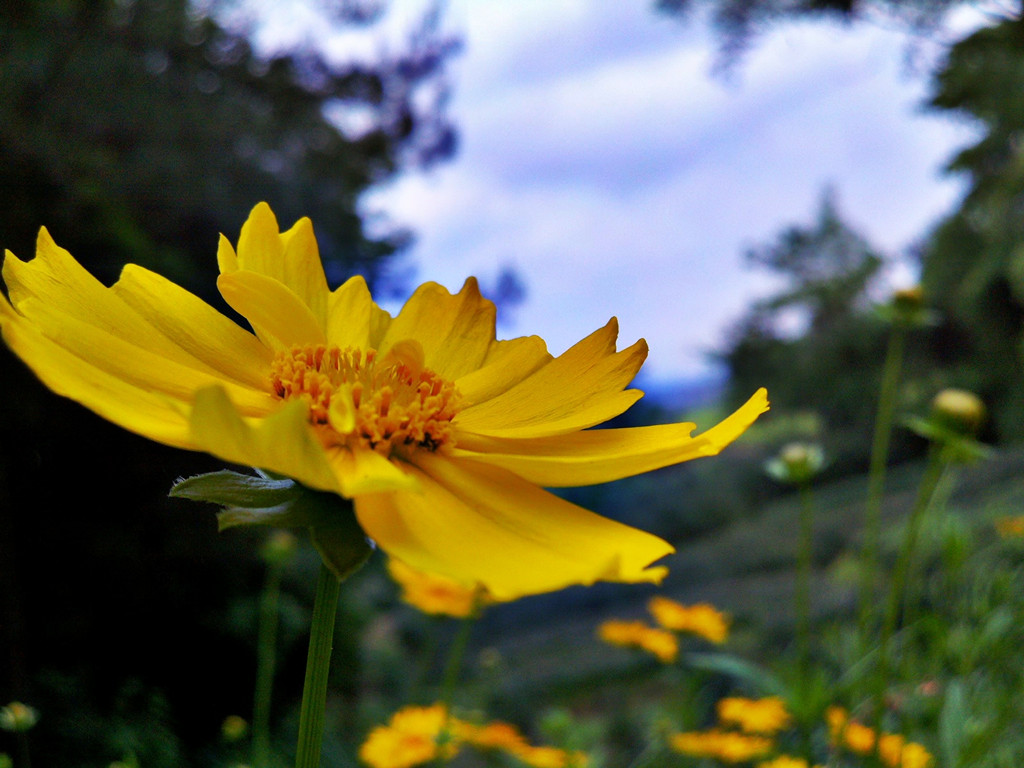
(973, 265)
(738, 22)
(815, 344)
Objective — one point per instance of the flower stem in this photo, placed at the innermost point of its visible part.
(266, 653)
(929, 482)
(451, 677)
(876, 481)
(314, 690)
(802, 600)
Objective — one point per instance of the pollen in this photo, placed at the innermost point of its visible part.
(388, 402)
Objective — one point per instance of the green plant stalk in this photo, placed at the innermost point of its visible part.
(451, 675)
(802, 605)
(314, 689)
(929, 482)
(266, 656)
(876, 482)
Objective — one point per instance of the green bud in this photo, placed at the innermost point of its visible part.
(907, 308)
(280, 548)
(797, 463)
(18, 717)
(234, 728)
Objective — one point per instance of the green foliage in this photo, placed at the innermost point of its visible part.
(973, 264)
(127, 126)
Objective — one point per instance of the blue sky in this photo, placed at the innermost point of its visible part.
(601, 159)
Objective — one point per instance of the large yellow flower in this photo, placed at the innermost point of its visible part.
(441, 434)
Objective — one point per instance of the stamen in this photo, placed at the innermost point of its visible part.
(399, 405)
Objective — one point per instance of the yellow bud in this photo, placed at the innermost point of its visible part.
(959, 410)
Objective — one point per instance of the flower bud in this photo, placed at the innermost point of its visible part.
(959, 411)
(796, 463)
(233, 728)
(907, 308)
(18, 717)
(279, 548)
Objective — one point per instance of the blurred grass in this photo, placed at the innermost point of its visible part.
(746, 569)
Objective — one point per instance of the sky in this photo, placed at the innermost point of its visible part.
(602, 159)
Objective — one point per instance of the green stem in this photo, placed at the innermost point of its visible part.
(876, 482)
(451, 676)
(802, 601)
(929, 482)
(314, 690)
(266, 655)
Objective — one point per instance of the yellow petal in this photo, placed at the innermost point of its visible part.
(350, 312)
(53, 278)
(578, 389)
(454, 331)
(279, 317)
(283, 442)
(506, 364)
(602, 455)
(138, 410)
(304, 271)
(195, 326)
(363, 471)
(135, 365)
(291, 258)
(481, 524)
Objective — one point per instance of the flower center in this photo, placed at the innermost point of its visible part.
(386, 402)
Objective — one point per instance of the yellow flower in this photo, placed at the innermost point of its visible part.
(700, 619)
(764, 716)
(727, 746)
(410, 738)
(914, 755)
(636, 634)
(551, 757)
(442, 435)
(784, 761)
(434, 594)
(496, 735)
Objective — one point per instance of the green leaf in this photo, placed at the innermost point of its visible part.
(739, 669)
(233, 489)
(951, 723)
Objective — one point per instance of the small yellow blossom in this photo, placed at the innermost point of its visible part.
(701, 619)
(435, 594)
(765, 716)
(636, 634)
(495, 735)
(444, 437)
(727, 746)
(785, 761)
(915, 755)
(409, 739)
(551, 757)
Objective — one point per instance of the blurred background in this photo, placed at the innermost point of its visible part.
(739, 182)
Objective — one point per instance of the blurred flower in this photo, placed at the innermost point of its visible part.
(636, 634)
(1010, 527)
(784, 761)
(727, 746)
(797, 463)
(434, 594)
(410, 738)
(766, 716)
(894, 750)
(907, 309)
(443, 436)
(701, 619)
(17, 716)
(234, 728)
(959, 410)
(279, 548)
